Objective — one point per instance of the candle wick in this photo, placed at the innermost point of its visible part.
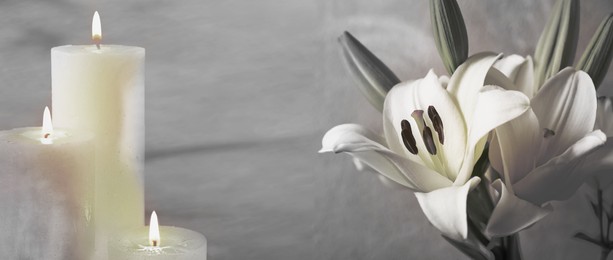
(47, 135)
(155, 242)
(98, 46)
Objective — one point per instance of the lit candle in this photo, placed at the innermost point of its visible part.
(100, 88)
(46, 193)
(158, 243)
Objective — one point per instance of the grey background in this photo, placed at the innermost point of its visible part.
(239, 94)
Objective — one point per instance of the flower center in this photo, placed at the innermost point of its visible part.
(433, 144)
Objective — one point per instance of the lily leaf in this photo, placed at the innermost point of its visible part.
(556, 46)
(449, 33)
(595, 208)
(597, 56)
(373, 77)
(478, 252)
(587, 238)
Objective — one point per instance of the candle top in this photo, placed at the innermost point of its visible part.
(106, 49)
(176, 241)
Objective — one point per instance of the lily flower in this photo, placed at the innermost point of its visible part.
(541, 155)
(433, 135)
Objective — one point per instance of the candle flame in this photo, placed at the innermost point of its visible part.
(154, 230)
(96, 29)
(47, 128)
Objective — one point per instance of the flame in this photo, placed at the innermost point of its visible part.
(96, 29)
(47, 129)
(154, 230)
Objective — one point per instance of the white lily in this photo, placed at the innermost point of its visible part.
(541, 154)
(433, 137)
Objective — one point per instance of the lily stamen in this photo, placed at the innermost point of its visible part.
(407, 137)
(437, 123)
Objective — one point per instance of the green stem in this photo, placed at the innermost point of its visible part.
(604, 253)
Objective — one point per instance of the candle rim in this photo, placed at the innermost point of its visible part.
(62, 136)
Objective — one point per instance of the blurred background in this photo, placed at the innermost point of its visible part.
(238, 96)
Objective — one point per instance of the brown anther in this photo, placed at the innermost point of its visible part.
(437, 123)
(407, 137)
(429, 141)
(548, 132)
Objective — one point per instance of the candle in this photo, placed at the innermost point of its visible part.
(158, 243)
(46, 193)
(100, 88)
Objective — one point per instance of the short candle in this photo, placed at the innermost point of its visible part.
(46, 193)
(158, 243)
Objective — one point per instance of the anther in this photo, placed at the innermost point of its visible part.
(437, 123)
(429, 141)
(407, 137)
(548, 132)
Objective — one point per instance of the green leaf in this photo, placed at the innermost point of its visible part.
(473, 251)
(373, 77)
(587, 238)
(449, 33)
(595, 209)
(556, 46)
(597, 55)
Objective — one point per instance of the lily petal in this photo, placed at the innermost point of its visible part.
(405, 98)
(561, 176)
(512, 214)
(520, 71)
(519, 141)
(600, 164)
(446, 208)
(494, 107)
(566, 105)
(354, 140)
(467, 81)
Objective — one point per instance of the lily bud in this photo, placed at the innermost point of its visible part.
(556, 46)
(449, 33)
(373, 77)
(597, 56)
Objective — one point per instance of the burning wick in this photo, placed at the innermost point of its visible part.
(47, 128)
(154, 230)
(96, 30)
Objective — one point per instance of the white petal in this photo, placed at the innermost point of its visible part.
(446, 208)
(495, 155)
(405, 98)
(520, 71)
(354, 140)
(519, 142)
(567, 105)
(494, 107)
(512, 214)
(467, 81)
(600, 164)
(560, 177)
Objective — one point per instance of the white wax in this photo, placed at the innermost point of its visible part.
(102, 91)
(175, 244)
(46, 195)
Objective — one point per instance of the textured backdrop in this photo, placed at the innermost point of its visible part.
(239, 94)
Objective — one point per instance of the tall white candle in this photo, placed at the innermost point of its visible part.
(100, 88)
(158, 243)
(46, 193)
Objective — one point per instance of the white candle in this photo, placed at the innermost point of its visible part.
(100, 88)
(158, 243)
(46, 193)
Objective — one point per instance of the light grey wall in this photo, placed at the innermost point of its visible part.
(239, 94)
